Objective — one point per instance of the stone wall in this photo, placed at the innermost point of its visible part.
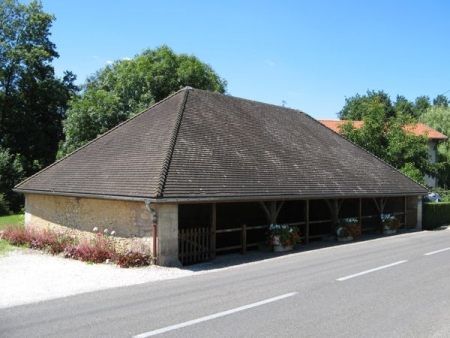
(131, 221)
(167, 234)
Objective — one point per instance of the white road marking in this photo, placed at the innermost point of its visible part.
(213, 316)
(435, 252)
(369, 271)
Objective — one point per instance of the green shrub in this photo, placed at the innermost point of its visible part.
(133, 259)
(435, 215)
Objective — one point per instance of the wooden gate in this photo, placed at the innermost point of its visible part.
(194, 245)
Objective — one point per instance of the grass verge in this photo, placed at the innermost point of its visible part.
(5, 221)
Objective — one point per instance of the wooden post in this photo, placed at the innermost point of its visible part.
(213, 231)
(334, 206)
(244, 239)
(307, 222)
(360, 214)
(272, 211)
(404, 212)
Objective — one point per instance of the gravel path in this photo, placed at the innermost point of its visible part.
(28, 276)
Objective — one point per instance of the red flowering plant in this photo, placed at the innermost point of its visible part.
(348, 227)
(284, 235)
(390, 222)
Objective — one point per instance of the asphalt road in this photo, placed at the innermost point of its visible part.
(391, 287)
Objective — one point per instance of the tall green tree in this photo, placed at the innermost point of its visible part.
(118, 91)
(11, 172)
(441, 100)
(358, 106)
(388, 139)
(33, 100)
(403, 106)
(421, 105)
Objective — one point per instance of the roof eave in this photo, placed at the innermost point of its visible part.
(212, 199)
(86, 195)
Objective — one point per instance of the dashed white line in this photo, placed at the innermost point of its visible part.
(213, 316)
(437, 251)
(369, 271)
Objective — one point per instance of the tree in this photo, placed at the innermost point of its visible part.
(11, 173)
(421, 105)
(357, 107)
(403, 106)
(118, 91)
(441, 100)
(438, 117)
(388, 139)
(32, 100)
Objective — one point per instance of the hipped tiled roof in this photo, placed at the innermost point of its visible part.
(202, 146)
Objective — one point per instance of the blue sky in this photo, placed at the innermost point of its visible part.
(310, 54)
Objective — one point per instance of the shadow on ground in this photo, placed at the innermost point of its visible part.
(234, 259)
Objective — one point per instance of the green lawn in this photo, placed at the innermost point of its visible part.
(11, 220)
(4, 222)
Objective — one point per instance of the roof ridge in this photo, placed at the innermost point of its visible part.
(101, 136)
(170, 150)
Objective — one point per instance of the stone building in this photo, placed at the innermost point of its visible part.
(201, 173)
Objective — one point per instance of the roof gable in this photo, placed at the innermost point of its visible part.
(201, 145)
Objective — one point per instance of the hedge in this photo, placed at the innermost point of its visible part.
(435, 215)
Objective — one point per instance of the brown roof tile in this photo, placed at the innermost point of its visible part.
(418, 129)
(202, 145)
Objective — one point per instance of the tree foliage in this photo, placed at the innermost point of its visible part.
(387, 138)
(32, 100)
(438, 117)
(118, 91)
(356, 107)
(11, 172)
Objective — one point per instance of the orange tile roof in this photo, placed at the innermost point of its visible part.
(419, 129)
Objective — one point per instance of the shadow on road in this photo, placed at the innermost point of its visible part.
(263, 253)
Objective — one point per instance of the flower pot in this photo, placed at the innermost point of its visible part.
(345, 239)
(280, 248)
(389, 231)
(276, 240)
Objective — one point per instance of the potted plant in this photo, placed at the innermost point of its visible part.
(390, 224)
(348, 229)
(283, 237)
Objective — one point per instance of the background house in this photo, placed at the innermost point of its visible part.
(420, 129)
(202, 173)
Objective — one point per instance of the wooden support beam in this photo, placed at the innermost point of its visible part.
(404, 212)
(278, 209)
(360, 213)
(213, 230)
(377, 205)
(266, 211)
(271, 211)
(307, 222)
(244, 239)
(334, 206)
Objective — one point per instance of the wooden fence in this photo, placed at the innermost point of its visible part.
(198, 245)
(194, 245)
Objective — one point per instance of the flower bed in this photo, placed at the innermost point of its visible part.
(390, 222)
(283, 235)
(348, 228)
